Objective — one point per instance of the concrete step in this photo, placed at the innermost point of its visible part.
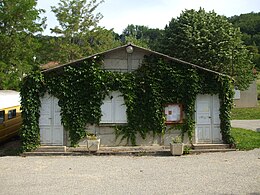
(35, 153)
(198, 151)
(124, 151)
(100, 153)
(51, 149)
(210, 146)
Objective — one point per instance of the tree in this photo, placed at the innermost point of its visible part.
(78, 30)
(19, 20)
(249, 25)
(48, 49)
(142, 36)
(209, 40)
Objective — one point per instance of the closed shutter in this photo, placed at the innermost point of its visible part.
(120, 109)
(113, 109)
(106, 109)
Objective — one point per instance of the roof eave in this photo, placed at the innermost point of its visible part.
(151, 51)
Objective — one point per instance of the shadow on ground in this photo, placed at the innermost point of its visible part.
(11, 147)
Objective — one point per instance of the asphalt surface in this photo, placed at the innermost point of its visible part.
(210, 173)
(246, 124)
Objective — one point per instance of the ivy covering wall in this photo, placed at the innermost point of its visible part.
(82, 87)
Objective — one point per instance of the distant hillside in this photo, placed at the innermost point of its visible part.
(249, 25)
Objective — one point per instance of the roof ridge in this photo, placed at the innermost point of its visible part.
(147, 49)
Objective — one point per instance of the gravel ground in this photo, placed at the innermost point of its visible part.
(213, 173)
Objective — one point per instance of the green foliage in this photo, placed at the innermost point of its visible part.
(80, 91)
(82, 87)
(226, 102)
(19, 19)
(79, 32)
(209, 40)
(142, 36)
(30, 92)
(246, 139)
(48, 49)
(249, 25)
(186, 149)
(176, 140)
(246, 113)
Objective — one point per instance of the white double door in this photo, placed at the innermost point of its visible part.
(207, 119)
(51, 129)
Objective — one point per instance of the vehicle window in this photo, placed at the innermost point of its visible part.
(11, 114)
(2, 116)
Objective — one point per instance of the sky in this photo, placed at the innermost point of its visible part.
(117, 14)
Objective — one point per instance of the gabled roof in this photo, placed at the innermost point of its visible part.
(141, 48)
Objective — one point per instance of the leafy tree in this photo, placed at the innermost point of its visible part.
(209, 40)
(142, 36)
(48, 49)
(19, 20)
(248, 23)
(78, 30)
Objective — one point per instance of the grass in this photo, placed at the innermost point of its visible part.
(246, 139)
(246, 113)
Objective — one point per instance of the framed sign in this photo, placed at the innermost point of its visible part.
(173, 113)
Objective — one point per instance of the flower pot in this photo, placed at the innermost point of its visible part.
(93, 145)
(176, 149)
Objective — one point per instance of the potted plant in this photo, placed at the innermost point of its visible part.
(176, 146)
(93, 143)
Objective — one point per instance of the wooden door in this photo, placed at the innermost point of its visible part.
(51, 129)
(207, 119)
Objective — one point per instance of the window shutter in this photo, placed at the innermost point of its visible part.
(113, 109)
(106, 109)
(120, 112)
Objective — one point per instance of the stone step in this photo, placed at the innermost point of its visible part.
(46, 153)
(100, 153)
(51, 149)
(124, 151)
(198, 151)
(210, 146)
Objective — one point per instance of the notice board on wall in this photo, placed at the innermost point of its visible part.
(173, 113)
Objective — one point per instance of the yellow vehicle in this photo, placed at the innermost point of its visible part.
(10, 114)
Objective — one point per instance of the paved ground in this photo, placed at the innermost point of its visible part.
(213, 173)
(246, 124)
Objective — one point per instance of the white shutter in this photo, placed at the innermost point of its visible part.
(120, 112)
(119, 108)
(106, 109)
(113, 109)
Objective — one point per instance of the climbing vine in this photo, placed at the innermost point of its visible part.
(31, 90)
(82, 87)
